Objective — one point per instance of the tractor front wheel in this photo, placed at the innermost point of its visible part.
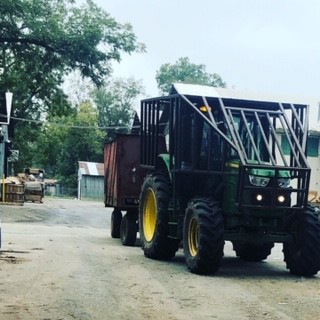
(302, 256)
(154, 218)
(203, 236)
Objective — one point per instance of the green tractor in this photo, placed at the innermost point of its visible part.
(217, 172)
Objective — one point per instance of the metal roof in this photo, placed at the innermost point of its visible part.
(91, 168)
(225, 93)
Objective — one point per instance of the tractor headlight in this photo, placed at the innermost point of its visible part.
(284, 182)
(258, 181)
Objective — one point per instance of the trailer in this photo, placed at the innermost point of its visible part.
(123, 178)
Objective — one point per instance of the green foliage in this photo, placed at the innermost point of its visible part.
(57, 36)
(67, 140)
(83, 142)
(25, 142)
(42, 41)
(186, 72)
(116, 101)
(48, 144)
(58, 145)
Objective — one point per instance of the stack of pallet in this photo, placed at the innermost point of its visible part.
(12, 191)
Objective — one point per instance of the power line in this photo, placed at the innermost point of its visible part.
(71, 126)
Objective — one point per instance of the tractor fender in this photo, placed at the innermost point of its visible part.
(163, 163)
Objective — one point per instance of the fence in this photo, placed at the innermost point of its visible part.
(61, 191)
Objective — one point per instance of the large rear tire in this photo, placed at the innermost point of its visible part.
(302, 257)
(252, 252)
(154, 218)
(128, 230)
(116, 217)
(203, 236)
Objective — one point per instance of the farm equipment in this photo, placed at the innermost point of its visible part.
(218, 173)
(34, 184)
(123, 177)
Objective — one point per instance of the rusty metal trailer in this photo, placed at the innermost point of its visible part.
(123, 178)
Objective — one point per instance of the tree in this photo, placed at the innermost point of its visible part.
(66, 140)
(186, 72)
(47, 145)
(79, 136)
(83, 142)
(116, 102)
(41, 41)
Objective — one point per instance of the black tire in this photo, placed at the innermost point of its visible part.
(128, 230)
(116, 217)
(252, 252)
(154, 218)
(302, 257)
(203, 236)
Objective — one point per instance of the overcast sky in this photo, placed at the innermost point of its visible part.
(269, 46)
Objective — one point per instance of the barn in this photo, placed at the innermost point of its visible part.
(90, 181)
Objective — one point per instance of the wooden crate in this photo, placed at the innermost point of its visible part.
(14, 193)
(14, 188)
(14, 197)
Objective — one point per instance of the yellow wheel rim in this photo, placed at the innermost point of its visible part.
(193, 237)
(149, 215)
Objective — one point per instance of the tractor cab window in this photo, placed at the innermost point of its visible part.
(211, 149)
(201, 146)
(252, 143)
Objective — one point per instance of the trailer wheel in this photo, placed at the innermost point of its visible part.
(302, 257)
(203, 236)
(128, 230)
(116, 217)
(252, 252)
(154, 219)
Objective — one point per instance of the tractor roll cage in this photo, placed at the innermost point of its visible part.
(296, 133)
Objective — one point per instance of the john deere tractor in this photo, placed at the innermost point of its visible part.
(218, 172)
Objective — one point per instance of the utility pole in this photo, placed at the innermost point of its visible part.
(5, 112)
(2, 149)
(2, 101)
(5, 144)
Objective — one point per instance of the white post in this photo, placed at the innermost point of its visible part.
(79, 186)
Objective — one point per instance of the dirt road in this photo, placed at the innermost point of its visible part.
(58, 261)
